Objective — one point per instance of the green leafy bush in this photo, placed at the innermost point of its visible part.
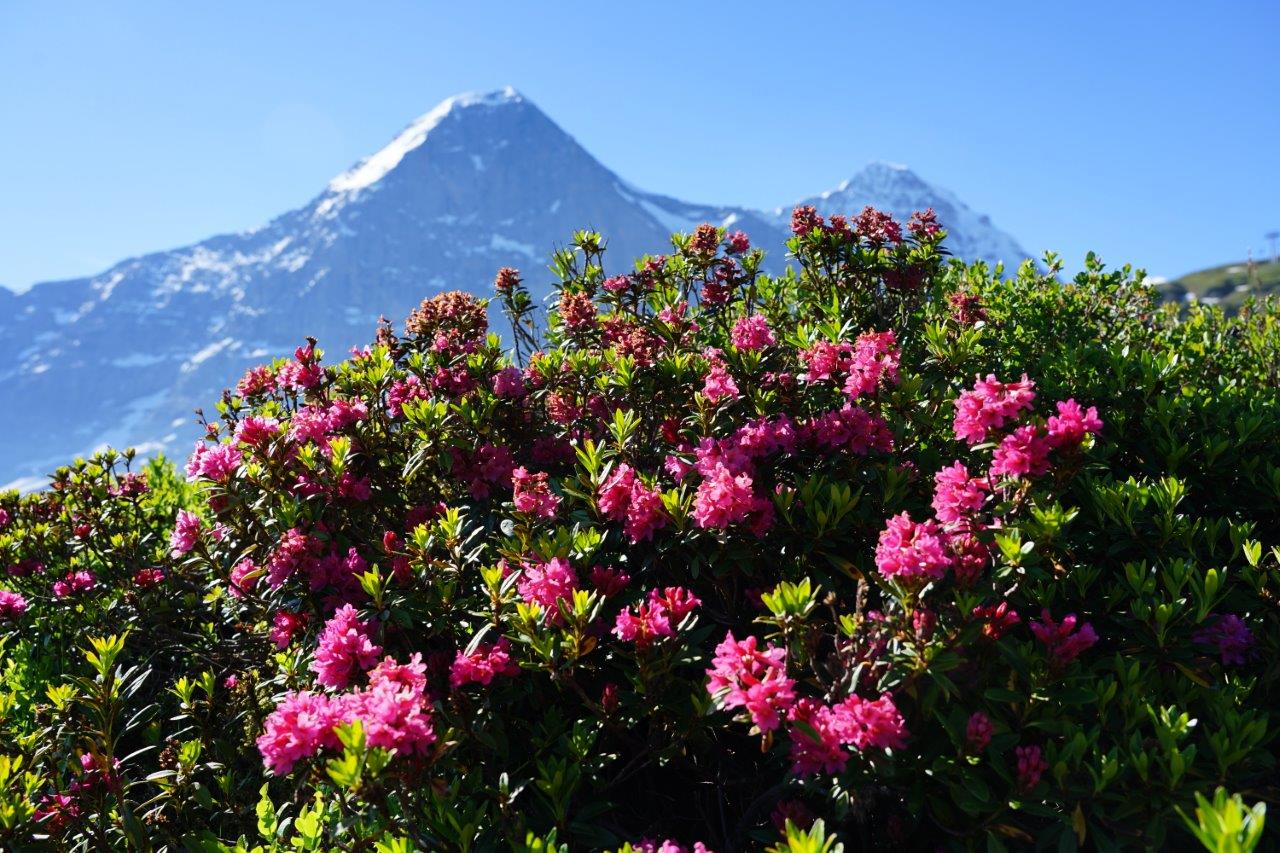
(886, 550)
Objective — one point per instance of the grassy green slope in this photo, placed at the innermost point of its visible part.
(1227, 285)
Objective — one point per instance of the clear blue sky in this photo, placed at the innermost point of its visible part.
(1147, 131)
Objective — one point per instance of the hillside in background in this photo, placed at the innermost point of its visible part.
(1228, 285)
(479, 182)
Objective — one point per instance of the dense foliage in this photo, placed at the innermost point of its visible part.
(886, 550)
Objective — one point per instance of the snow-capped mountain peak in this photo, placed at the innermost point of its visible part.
(372, 169)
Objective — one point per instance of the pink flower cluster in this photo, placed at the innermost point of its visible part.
(659, 616)
(186, 532)
(625, 497)
(752, 333)
(1031, 766)
(990, 405)
(12, 606)
(545, 584)
(978, 732)
(488, 466)
(404, 391)
(216, 462)
(742, 676)
(857, 722)
(875, 362)
(344, 646)
(912, 551)
(81, 581)
(1064, 641)
(392, 710)
(532, 495)
(648, 845)
(957, 497)
(483, 664)
(256, 431)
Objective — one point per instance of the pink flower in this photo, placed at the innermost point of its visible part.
(877, 227)
(645, 513)
(752, 333)
(12, 606)
(244, 577)
(186, 532)
(978, 732)
(615, 492)
(719, 385)
(213, 462)
(402, 392)
(532, 495)
(657, 617)
(852, 429)
(74, 582)
(969, 555)
(739, 243)
(616, 284)
(283, 626)
(742, 677)
(301, 373)
(256, 431)
(648, 845)
(483, 665)
(868, 723)
(805, 219)
(999, 618)
(1069, 427)
(875, 362)
(344, 645)
(1064, 642)
(578, 312)
(1230, 634)
(147, 578)
(545, 584)
(1023, 452)
(285, 560)
(816, 747)
(300, 726)
(956, 495)
(1031, 765)
(990, 405)
(723, 499)
(913, 551)
(826, 360)
(392, 709)
(509, 383)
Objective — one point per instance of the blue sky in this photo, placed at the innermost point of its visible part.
(1145, 131)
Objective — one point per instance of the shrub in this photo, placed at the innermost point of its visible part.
(884, 549)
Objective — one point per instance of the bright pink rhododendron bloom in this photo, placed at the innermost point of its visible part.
(741, 676)
(509, 383)
(875, 362)
(344, 646)
(545, 584)
(957, 497)
(998, 619)
(12, 605)
(752, 333)
(913, 551)
(719, 384)
(532, 494)
(723, 499)
(990, 405)
(186, 532)
(1022, 453)
(1072, 423)
(657, 617)
(483, 664)
(1063, 640)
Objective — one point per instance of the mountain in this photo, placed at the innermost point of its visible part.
(1228, 285)
(480, 182)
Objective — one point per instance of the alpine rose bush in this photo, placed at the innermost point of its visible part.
(881, 550)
